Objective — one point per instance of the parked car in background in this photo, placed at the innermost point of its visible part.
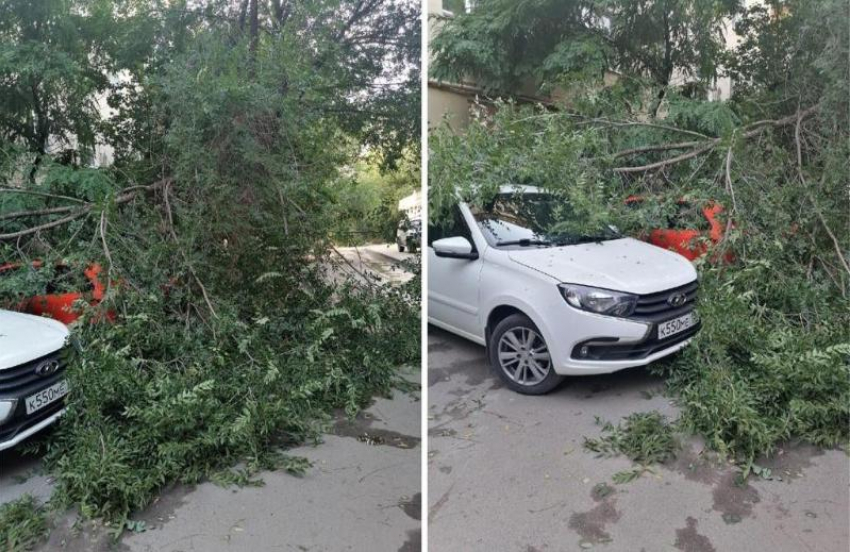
(548, 303)
(409, 235)
(67, 285)
(689, 229)
(33, 357)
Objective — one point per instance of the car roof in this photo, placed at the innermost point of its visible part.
(519, 188)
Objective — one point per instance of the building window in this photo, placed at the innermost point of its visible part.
(452, 7)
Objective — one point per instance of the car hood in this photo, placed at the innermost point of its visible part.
(622, 265)
(24, 337)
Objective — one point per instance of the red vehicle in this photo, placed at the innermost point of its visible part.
(59, 304)
(688, 229)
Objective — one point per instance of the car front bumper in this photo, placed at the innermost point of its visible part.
(586, 344)
(23, 381)
(16, 434)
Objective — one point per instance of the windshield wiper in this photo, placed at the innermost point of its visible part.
(575, 240)
(524, 242)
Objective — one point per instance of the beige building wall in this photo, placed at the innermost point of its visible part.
(448, 106)
(445, 102)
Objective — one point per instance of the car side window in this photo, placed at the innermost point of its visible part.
(455, 227)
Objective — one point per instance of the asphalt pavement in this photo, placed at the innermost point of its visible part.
(377, 262)
(508, 473)
(362, 493)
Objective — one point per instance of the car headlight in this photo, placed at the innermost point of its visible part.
(7, 406)
(600, 301)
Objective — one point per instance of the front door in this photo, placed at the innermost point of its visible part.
(453, 283)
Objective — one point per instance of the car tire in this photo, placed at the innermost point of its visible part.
(400, 248)
(530, 371)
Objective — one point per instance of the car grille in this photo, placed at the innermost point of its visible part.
(20, 378)
(656, 307)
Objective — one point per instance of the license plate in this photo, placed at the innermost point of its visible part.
(676, 325)
(46, 396)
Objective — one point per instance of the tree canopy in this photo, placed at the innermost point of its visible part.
(506, 46)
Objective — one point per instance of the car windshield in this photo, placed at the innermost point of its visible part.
(535, 220)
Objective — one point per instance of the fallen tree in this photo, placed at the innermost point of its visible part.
(772, 362)
(231, 134)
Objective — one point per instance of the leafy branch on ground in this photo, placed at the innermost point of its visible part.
(23, 524)
(644, 437)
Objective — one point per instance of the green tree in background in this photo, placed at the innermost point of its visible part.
(507, 46)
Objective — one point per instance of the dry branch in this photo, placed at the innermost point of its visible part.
(125, 196)
(35, 229)
(703, 146)
(659, 147)
(835, 242)
(671, 161)
(39, 212)
(183, 253)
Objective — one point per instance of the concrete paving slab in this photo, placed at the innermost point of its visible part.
(508, 472)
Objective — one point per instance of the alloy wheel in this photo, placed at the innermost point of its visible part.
(523, 356)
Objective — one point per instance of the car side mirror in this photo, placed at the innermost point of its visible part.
(456, 247)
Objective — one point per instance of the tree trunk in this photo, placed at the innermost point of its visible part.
(243, 15)
(255, 28)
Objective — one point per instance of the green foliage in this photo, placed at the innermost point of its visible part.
(791, 51)
(772, 364)
(515, 147)
(49, 75)
(230, 342)
(711, 118)
(644, 437)
(366, 203)
(506, 46)
(23, 524)
(159, 400)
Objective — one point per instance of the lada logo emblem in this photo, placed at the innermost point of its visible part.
(677, 299)
(47, 368)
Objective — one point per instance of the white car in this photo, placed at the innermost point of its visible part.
(408, 235)
(550, 303)
(32, 375)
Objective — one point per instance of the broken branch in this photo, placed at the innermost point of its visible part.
(124, 197)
